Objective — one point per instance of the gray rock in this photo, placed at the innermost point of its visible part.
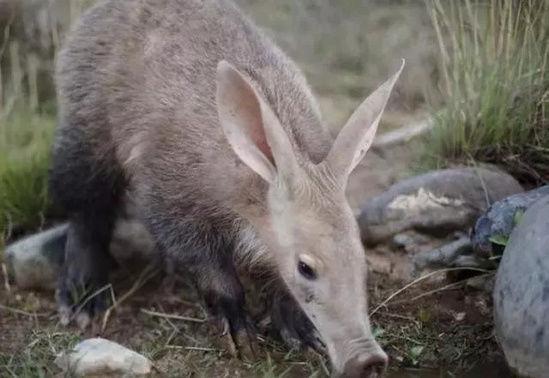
(101, 357)
(403, 240)
(410, 241)
(492, 229)
(482, 282)
(521, 294)
(35, 261)
(437, 202)
(131, 240)
(457, 254)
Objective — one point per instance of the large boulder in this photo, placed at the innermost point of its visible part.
(438, 202)
(521, 294)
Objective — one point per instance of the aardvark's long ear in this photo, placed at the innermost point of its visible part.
(356, 137)
(251, 127)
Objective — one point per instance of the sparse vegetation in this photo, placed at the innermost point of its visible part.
(495, 85)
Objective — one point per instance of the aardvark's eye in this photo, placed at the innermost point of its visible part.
(306, 270)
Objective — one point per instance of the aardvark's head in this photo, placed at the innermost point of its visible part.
(315, 237)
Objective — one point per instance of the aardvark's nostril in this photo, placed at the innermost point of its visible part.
(372, 366)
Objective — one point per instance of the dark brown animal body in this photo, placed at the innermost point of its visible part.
(141, 91)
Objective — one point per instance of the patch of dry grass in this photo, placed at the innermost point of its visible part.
(494, 59)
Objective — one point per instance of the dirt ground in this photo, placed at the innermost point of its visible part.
(446, 332)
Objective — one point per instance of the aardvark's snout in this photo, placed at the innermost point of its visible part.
(366, 366)
(365, 360)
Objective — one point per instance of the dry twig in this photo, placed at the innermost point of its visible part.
(22, 312)
(6, 279)
(173, 316)
(148, 273)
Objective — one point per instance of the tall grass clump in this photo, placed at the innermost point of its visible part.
(495, 85)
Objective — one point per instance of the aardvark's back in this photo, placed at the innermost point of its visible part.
(142, 76)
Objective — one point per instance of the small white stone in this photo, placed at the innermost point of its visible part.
(98, 356)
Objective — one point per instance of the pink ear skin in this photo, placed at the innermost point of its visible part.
(251, 127)
(356, 137)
